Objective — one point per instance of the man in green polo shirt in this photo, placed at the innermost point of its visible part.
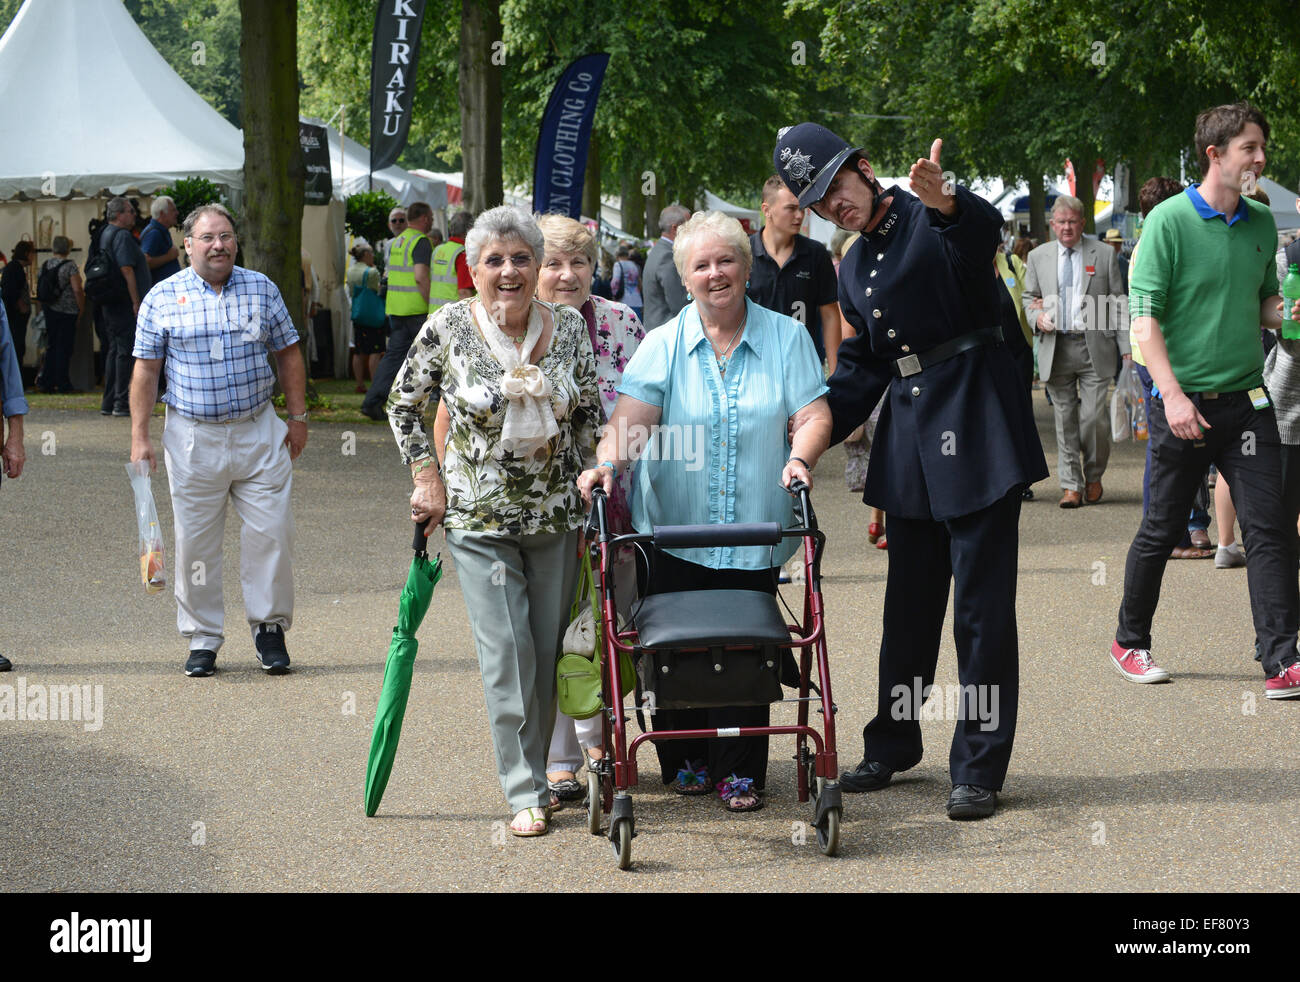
(1202, 284)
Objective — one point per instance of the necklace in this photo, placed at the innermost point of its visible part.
(723, 359)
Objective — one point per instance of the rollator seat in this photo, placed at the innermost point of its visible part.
(710, 618)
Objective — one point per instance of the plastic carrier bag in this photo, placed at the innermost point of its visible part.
(1128, 410)
(153, 564)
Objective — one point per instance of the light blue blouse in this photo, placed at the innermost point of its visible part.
(718, 451)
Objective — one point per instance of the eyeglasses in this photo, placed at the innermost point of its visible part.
(520, 260)
(207, 239)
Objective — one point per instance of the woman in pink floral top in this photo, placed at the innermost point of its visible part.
(615, 332)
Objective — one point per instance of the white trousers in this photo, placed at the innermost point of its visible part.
(207, 465)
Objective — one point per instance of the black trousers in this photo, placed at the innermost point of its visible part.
(61, 329)
(1243, 443)
(401, 335)
(18, 332)
(119, 323)
(742, 756)
(978, 554)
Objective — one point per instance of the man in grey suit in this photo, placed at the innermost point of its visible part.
(661, 287)
(1075, 298)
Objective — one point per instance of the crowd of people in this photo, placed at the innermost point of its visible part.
(511, 371)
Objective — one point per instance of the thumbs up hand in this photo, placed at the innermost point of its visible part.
(929, 183)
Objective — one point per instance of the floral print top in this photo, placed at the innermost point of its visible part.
(618, 332)
(490, 489)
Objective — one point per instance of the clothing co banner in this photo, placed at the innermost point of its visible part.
(318, 185)
(392, 78)
(561, 161)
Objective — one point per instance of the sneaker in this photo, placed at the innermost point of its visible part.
(1229, 557)
(1135, 664)
(271, 653)
(122, 412)
(201, 663)
(1285, 684)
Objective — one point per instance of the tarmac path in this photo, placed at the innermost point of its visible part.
(248, 782)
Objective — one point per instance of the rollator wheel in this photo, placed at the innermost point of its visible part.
(593, 802)
(622, 842)
(828, 832)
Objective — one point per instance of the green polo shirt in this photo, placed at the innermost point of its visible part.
(1203, 275)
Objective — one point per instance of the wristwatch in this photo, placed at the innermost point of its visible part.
(298, 417)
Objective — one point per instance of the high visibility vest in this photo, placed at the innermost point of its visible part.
(1011, 270)
(442, 275)
(404, 298)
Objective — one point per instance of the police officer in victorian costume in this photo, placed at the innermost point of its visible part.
(955, 447)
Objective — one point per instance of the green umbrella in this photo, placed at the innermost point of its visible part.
(414, 604)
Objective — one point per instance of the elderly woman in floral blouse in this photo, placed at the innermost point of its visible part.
(615, 332)
(518, 378)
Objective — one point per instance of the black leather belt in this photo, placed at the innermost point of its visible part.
(913, 364)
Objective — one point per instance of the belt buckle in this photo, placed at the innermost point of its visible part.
(911, 365)
(1209, 395)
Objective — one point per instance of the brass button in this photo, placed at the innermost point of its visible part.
(868, 291)
(876, 313)
(916, 390)
(879, 256)
(873, 272)
(890, 334)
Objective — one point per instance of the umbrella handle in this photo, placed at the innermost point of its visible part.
(421, 541)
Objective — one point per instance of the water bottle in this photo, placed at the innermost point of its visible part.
(1290, 293)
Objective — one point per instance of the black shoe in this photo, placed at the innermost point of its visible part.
(5, 664)
(870, 775)
(121, 412)
(969, 801)
(271, 653)
(201, 663)
(1027, 494)
(378, 415)
(106, 412)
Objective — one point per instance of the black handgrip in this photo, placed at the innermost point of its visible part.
(596, 518)
(734, 534)
(421, 541)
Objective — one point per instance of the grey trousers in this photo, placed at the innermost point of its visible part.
(518, 589)
(1082, 413)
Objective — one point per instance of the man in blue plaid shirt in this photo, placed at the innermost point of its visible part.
(211, 326)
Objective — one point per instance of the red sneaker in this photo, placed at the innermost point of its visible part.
(1135, 664)
(1285, 684)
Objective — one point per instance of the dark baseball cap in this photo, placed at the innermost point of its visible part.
(807, 157)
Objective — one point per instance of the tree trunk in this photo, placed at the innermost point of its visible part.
(1083, 189)
(633, 217)
(273, 169)
(481, 55)
(591, 182)
(1037, 207)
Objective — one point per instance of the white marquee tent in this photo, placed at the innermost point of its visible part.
(90, 106)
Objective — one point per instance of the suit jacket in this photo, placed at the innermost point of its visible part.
(661, 287)
(1104, 307)
(960, 435)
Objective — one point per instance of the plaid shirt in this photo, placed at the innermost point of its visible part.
(214, 345)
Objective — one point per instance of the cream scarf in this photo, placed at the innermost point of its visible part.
(530, 421)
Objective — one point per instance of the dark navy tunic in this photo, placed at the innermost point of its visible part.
(960, 435)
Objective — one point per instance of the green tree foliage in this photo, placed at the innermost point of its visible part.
(200, 40)
(1016, 86)
(190, 192)
(368, 215)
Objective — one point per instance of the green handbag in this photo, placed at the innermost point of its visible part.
(577, 672)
